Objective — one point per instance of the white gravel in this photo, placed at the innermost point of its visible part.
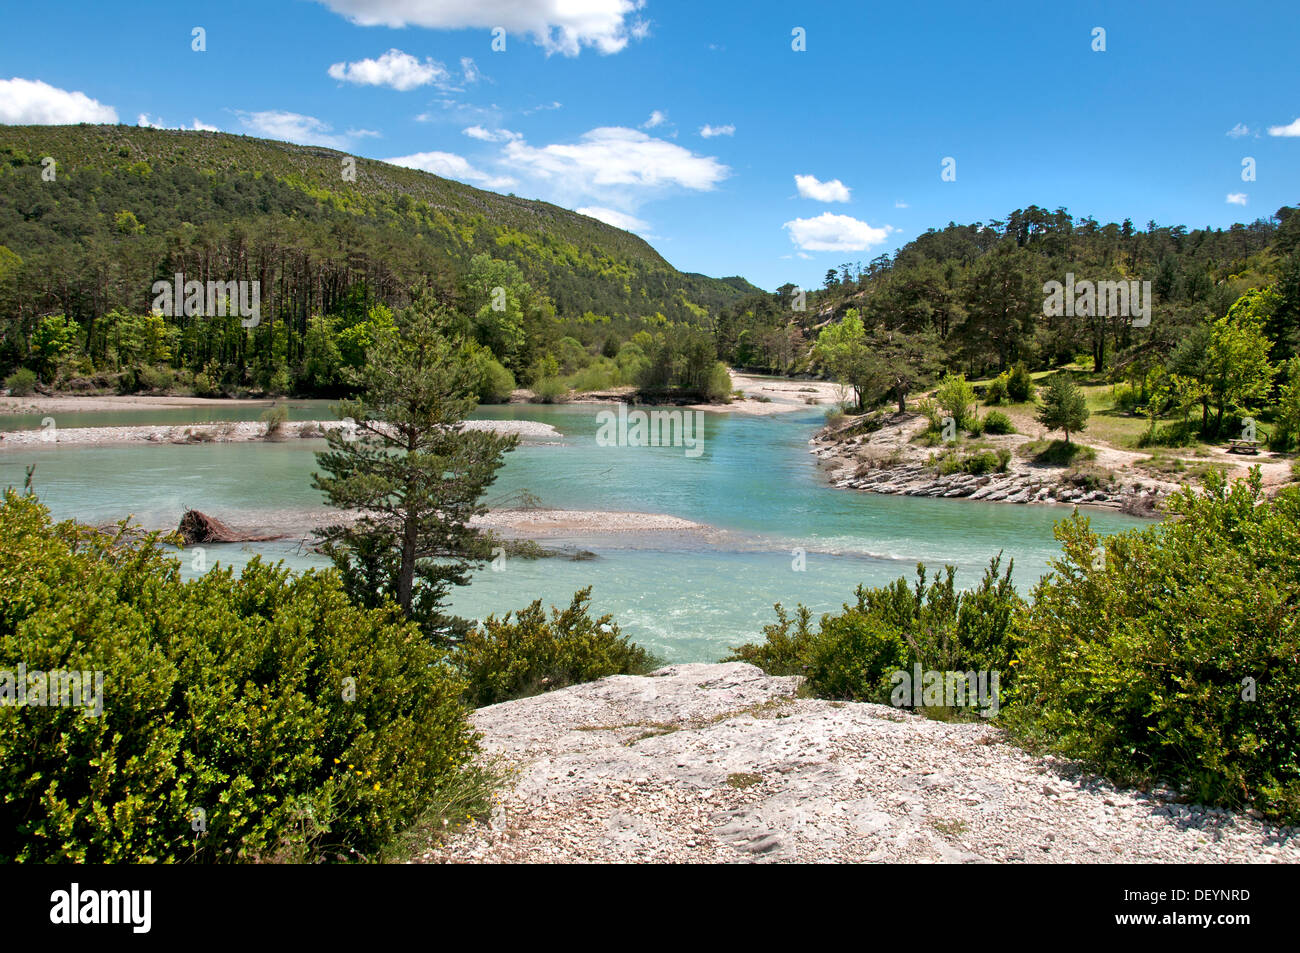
(225, 432)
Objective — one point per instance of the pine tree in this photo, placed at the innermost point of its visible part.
(1064, 406)
(411, 471)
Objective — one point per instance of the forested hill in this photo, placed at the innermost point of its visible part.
(128, 204)
(978, 291)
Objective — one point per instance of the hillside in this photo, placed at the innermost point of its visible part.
(130, 203)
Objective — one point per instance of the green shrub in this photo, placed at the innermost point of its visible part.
(21, 383)
(1020, 384)
(996, 392)
(600, 374)
(226, 695)
(275, 418)
(280, 383)
(549, 390)
(1173, 653)
(1126, 397)
(852, 655)
(513, 659)
(998, 423)
(495, 382)
(976, 464)
(718, 387)
(957, 397)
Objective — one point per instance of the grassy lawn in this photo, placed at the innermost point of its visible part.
(1107, 423)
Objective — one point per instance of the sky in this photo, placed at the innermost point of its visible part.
(763, 139)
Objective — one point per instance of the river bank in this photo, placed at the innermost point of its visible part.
(890, 460)
(246, 431)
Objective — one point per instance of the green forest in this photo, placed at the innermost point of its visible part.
(1219, 343)
(92, 216)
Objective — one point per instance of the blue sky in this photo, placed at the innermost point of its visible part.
(698, 125)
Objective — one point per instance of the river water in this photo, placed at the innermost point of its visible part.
(686, 597)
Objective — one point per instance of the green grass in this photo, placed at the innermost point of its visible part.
(1056, 453)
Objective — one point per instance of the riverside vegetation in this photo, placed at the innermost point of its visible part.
(552, 299)
(322, 715)
(304, 718)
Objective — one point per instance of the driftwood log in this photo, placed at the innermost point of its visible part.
(198, 528)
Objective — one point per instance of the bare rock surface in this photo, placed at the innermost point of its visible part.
(722, 763)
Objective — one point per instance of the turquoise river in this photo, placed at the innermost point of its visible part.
(687, 597)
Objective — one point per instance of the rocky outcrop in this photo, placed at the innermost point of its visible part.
(1011, 487)
(722, 763)
(887, 461)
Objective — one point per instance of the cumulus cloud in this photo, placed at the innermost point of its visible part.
(1289, 132)
(613, 156)
(1236, 198)
(295, 127)
(559, 26)
(830, 232)
(32, 102)
(629, 223)
(657, 118)
(709, 132)
(1239, 130)
(149, 122)
(451, 166)
(811, 188)
(491, 135)
(395, 69)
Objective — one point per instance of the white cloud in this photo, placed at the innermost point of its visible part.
(491, 135)
(657, 118)
(901, 204)
(811, 188)
(1236, 198)
(613, 156)
(149, 122)
(1289, 132)
(295, 127)
(1239, 130)
(559, 26)
(829, 232)
(451, 166)
(398, 70)
(708, 132)
(629, 223)
(32, 102)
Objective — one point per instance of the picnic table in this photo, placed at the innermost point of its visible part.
(1243, 446)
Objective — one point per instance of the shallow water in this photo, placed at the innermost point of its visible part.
(686, 598)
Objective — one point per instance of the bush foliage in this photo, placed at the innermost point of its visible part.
(1174, 653)
(225, 695)
(512, 658)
